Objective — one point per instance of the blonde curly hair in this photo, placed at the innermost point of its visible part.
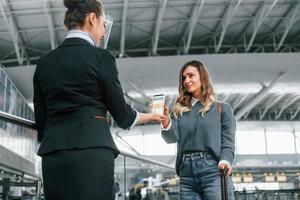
(184, 100)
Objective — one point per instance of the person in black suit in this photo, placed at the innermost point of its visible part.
(74, 87)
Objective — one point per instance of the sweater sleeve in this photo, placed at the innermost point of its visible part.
(171, 135)
(228, 133)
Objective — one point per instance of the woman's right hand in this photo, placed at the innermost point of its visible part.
(166, 119)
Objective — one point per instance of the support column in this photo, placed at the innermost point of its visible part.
(5, 188)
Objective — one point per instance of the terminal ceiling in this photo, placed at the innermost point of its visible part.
(29, 29)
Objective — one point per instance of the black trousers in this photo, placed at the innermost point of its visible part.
(81, 174)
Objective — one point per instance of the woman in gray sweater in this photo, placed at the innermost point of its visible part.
(205, 134)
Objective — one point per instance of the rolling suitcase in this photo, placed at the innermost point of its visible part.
(224, 184)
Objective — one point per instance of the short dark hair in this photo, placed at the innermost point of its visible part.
(77, 10)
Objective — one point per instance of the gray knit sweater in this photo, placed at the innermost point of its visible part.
(210, 133)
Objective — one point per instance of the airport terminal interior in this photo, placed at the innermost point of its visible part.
(250, 47)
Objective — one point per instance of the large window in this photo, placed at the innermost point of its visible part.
(280, 142)
(297, 137)
(15, 138)
(247, 142)
(269, 142)
(250, 142)
(150, 144)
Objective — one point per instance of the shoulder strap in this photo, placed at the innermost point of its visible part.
(220, 109)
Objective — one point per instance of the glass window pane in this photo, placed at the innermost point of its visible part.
(297, 141)
(19, 140)
(245, 141)
(2, 90)
(135, 141)
(123, 146)
(155, 145)
(150, 144)
(280, 142)
(2, 78)
(8, 96)
(13, 101)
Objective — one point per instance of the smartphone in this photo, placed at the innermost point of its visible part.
(158, 103)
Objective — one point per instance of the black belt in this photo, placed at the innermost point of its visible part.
(195, 154)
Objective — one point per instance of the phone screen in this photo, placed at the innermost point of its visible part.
(158, 103)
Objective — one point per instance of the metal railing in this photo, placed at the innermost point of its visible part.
(31, 124)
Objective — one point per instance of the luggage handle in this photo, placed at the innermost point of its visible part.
(223, 175)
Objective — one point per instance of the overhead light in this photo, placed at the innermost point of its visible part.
(270, 177)
(281, 177)
(248, 178)
(236, 178)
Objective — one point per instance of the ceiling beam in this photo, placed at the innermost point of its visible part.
(134, 100)
(123, 28)
(223, 14)
(257, 24)
(27, 45)
(218, 25)
(226, 96)
(242, 33)
(40, 29)
(283, 19)
(137, 43)
(138, 90)
(257, 98)
(150, 34)
(296, 113)
(289, 24)
(269, 105)
(286, 104)
(239, 101)
(162, 8)
(142, 105)
(192, 24)
(197, 47)
(13, 32)
(225, 24)
(53, 41)
(15, 60)
(276, 27)
(172, 101)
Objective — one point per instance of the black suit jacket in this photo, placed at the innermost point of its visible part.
(73, 84)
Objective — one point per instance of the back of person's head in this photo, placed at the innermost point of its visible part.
(78, 9)
(146, 183)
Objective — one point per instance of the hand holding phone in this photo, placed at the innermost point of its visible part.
(158, 103)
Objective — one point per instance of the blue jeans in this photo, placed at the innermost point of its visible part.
(199, 178)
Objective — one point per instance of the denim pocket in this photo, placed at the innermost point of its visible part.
(209, 160)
